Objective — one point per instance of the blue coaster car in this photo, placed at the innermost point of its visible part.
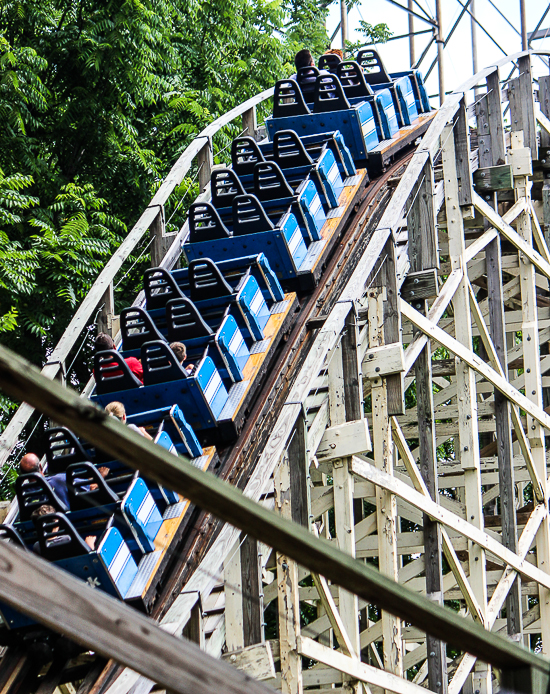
(401, 88)
(331, 111)
(160, 286)
(205, 285)
(252, 231)
(270, 186)
(326, 165)
(201, 395)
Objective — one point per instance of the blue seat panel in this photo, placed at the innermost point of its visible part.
(116, 559)
(357, 125)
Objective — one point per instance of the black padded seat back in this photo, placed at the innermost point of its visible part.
(329, 95)
(289, 150)
(159, 287)
(137, 327)
(270, 182)
(33, 490)
(353, 80)
(330, 62)
(9, 534)
(58, 538)
(245, 154)
(249, 217)
(80, 477)
(225, 184)
(373, 67)
(63, 449)
(205, 223)
(112, 373)
(306, 77)
(160, 364)
(206, 280)
(288, 100)
(184, 321)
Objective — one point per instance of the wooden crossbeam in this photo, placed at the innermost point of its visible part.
(451, 520)
(475, 363)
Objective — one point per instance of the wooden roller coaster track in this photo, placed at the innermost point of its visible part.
(441, 287)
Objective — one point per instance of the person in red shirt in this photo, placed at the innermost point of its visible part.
(104, 342)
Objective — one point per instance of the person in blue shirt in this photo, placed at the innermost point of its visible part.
(31, 463)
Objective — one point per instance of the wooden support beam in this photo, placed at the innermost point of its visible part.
(160, 241)
(462, 156)
(21, 380)
(96, 620)
(344, 440)
(356, 669)
(288, 591)
(233, 589)
(386, 506)
(205, 162)
(544, 103)
(105, 318)
(252, 603)
(503, 427)
(468, 435)
(451, 520)
(436, 649)
(531, 361)
(346, 404)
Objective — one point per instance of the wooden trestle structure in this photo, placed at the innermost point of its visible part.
(408, 433)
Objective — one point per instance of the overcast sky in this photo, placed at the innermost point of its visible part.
(458, 53)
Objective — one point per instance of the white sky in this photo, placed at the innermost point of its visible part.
(458, 53)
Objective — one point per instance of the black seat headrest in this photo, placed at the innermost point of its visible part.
(137, 327)
(329, 61)
(206, 280)
(373, 67)
(159, 286)
(58, 538)
(112, 373)
(63, 449)
(306, 77)
(249, 217)
(184, 321)
(160, 364)
(225, 184)
(288, 100)
(353, 80)
(245, 154)
(270, 182)
(329, 95)
(33, 490)
(205, 223)
(289, 150)
(80, 478)
(9, 534)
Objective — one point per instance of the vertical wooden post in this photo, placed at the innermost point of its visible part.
(533, 382)
(503, 431)
(496, 124)
(287, 591)
(233, 589)
(522, 105)
(253, 612)
(386, 506)
(194, 630)
(421, 225)
(250, 126)
(343, 363)
(161, 242)
(497, 330)
(544, 102)
(205, 162)
(468, 439)
(395, 386)
(106, 314)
